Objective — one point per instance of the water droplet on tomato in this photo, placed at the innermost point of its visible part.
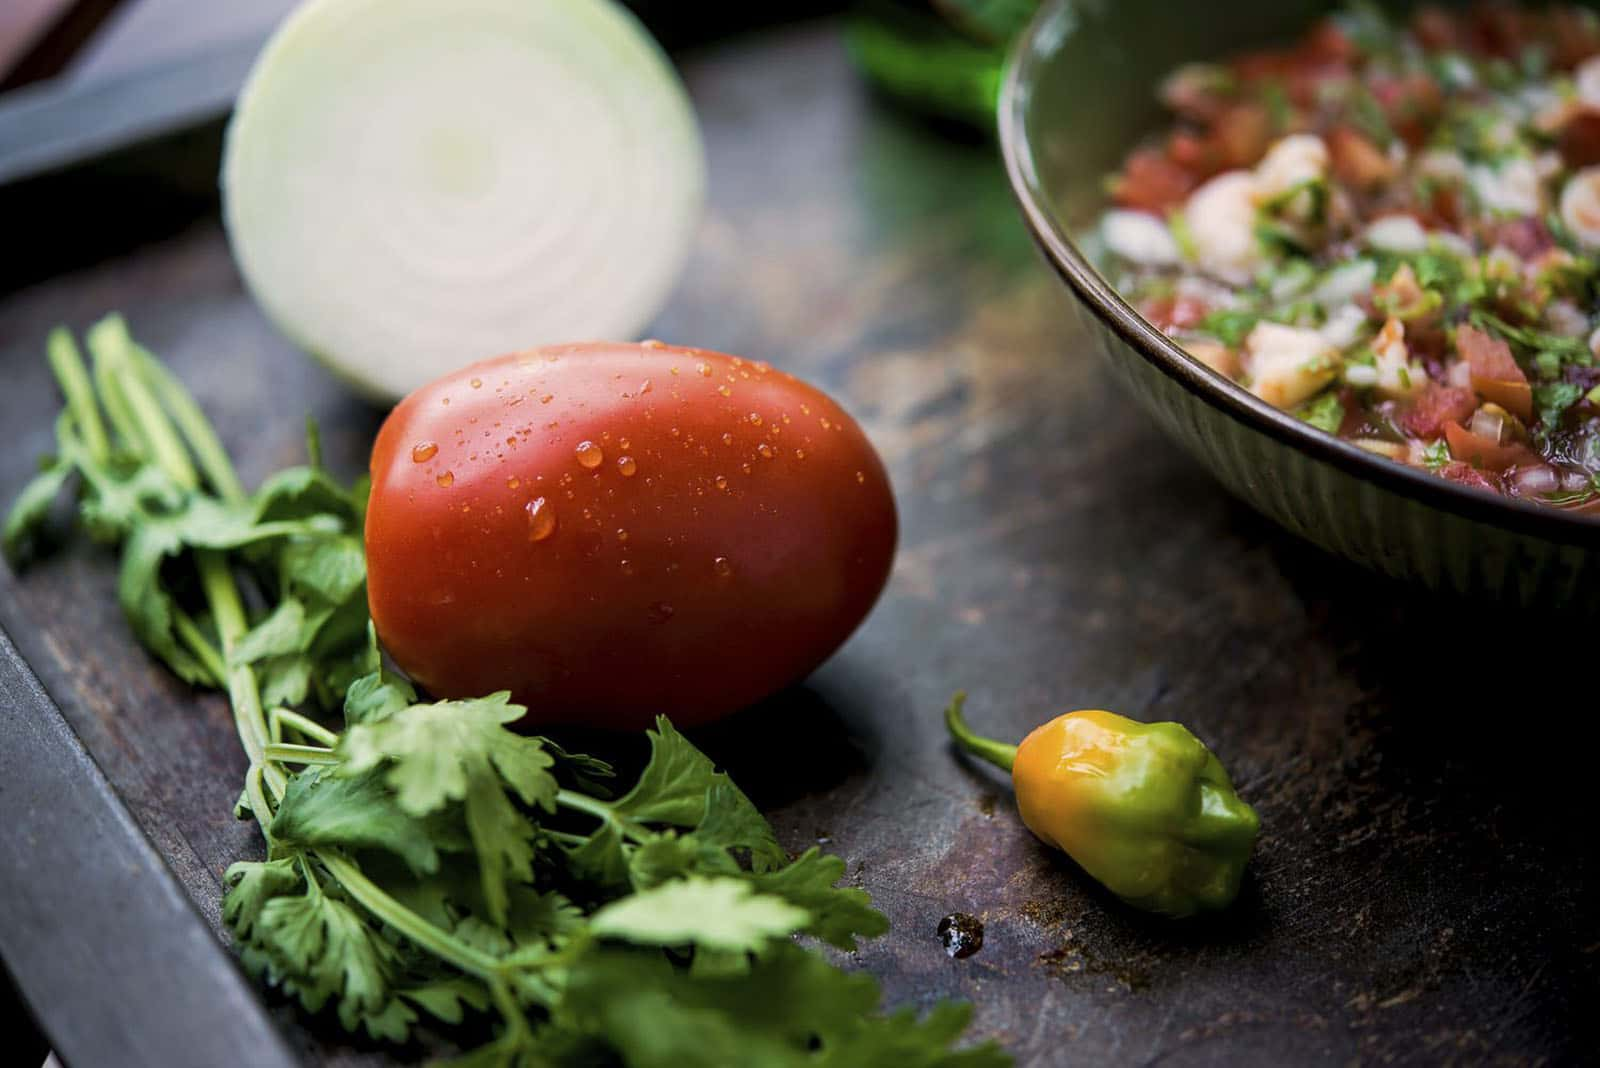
(722, 566)
(825, 424)
(477, 383)
(590, 455)
(513, 482)
(725, 391)
(703, 370)
(445, 479)
(547, 398)
(799, 454)
(625, 566)
(626, 466)
(645, 386)
(660, 612)
(727, 439)
(765, 450)
(755, 418)
(423, 451)
(861, 476)
(541, 519)
(722, 483)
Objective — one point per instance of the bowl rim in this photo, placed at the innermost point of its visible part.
(1218, 392)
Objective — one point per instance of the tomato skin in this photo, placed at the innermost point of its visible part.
(754, 534)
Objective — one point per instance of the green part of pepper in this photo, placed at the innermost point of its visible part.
(1145, 808)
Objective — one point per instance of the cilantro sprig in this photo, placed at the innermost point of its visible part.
(424, 861)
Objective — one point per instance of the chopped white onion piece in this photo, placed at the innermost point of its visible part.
(1487, 424)
(1580, 206)
(411, 185)
(1537, 481)
(1586, 80)
(1397, 233)
(1513, 187)
(1222, 223)
(1346, 282)
(1140, 238)
(1344, 326)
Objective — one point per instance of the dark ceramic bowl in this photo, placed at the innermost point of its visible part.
(1079, 91)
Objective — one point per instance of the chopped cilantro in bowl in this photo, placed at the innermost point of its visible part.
(1391, 232)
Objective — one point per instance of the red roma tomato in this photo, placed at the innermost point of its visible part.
(614, 531)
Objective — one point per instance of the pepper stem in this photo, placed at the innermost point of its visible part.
(997, 753)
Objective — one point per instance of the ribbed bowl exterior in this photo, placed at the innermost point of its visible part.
(1345, 514)
(1078, 90)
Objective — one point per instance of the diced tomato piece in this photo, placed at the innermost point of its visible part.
(1485, 454)
(1579, 142)
(1445, 209)
(1411, 103)
(1327, 43)
(1241, 136)
(1497, 30)
(1489, 357)
(1435, 407)
(1467, 475)
(1436, 29)
(1527, 237)
(1495, 374)
(1573, 35)
(1193, 153)
(1174, 313)
(1153, 182)
(1357, 161)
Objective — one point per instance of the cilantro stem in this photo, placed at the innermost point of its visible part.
(228, 610)
(279, 718)
(286, 752)
(70, 372)
(165, 445)
(260, 808)
(116, 404)
(134, 410)
(370, 896)
(200, 645)
(600, 809)
(192, 422)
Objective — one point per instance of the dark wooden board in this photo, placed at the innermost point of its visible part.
(1425, 886)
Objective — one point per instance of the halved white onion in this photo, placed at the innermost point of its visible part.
(411, 185)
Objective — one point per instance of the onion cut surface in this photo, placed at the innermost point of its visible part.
(411, 185)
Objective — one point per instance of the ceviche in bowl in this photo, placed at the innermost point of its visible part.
(1348, 254)
(1393, 231)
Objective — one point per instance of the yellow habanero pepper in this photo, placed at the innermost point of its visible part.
(1144, 808)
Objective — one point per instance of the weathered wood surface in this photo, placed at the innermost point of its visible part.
(1426, 887)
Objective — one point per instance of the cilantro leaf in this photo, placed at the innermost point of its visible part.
(434, 751)
(31, 508)
(461, 751)
(1326, 413)
(724, 914)
(354, 812)
(1230, 326)
(791, 1009)
(377, 696)
(838, 914)
(732, 822)
(1553, 399)
(319, 949)
(672, 788)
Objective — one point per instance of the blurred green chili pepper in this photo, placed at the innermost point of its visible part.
(1144, 808)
